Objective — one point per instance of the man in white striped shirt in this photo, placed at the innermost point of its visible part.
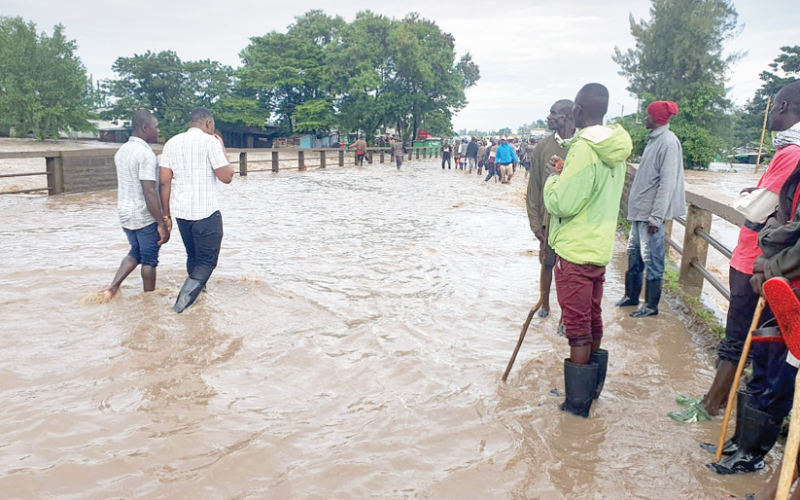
(138, 206)
(191, 165)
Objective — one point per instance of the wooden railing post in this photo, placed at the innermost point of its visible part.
(322, 159)
(276, 163)
(410, 154)
(382, 156)
(369, 157)
(424, 153)
(417, 150)
(435, 152)
(341, 158)
(55, 175)
(301, 160)
(242, 164)
(695, 249)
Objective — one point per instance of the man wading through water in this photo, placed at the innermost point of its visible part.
(657, 196)
(583, 201)
(138, 206)
(361, 150)
(757, 204)
(560, 120)
(192, 163)
(762, 407)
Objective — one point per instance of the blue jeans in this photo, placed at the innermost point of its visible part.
(646, 251)
(144, 244)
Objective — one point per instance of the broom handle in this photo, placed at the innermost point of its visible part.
(739, 369)
(792, 447)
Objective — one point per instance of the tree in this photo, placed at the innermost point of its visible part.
(44, 89)
(170, 88)
(679, 57)
(785, 69)
(283, 71)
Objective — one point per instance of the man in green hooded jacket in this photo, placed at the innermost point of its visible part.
(583, 201)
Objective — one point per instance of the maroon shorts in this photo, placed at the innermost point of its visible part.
(580, 292)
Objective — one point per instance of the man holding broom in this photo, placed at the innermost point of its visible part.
(758, 418)
(583, 202)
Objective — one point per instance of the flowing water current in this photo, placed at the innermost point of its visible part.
(350, 345)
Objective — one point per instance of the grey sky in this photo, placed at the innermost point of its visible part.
(531, 53)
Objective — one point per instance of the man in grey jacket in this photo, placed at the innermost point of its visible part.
(657, 196)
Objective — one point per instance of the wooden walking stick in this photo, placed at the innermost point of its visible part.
(525, 326)
(763, 133)
(739, 369)
(522, 337)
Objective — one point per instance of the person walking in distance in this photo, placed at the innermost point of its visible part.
(361, 150)
(657, 196)
(491, 166)
(398, 151)
(472, 154)
(505, 157)
(138, 204)
(583, 201)
(191, 165)
(446, 151)
(561, 122)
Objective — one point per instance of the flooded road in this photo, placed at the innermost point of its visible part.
(350, 345)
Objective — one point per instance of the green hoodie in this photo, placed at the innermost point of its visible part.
(583, 201)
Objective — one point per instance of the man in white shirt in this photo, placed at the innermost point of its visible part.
(138, 206)
(191, 165)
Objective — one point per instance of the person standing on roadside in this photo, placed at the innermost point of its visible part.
(446, 150)
(505, 157)
(361, 150)
(561, 122)
(138, 204)
(398, 151)
(583, 201)
(657, 196)
(191, 165)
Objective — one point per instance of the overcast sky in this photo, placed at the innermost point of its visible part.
(531, 53)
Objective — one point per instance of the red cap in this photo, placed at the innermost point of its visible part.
(661, 111)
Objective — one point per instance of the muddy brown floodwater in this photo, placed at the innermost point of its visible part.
(350, 345)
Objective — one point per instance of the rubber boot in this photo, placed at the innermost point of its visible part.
(189, 291)
(759, 433)
(653, 296)
(633, 288)
(600, 357)
(580, 382)
(731, 445)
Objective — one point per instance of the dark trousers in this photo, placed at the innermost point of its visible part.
(203, 240)
(491, 171)
(740, 315)
(446, 158)
(580, 295)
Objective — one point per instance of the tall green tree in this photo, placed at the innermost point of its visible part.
(679, 56)
(171, 88)
(283, 71)
(44, 89)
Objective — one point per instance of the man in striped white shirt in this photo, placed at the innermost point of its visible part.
(138, 206)
(191, 165)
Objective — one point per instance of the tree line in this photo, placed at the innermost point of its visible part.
(321, 74)
(679, 55)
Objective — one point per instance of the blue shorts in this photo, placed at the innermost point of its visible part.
(144, 244)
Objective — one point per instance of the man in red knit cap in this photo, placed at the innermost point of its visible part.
(657, 196)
